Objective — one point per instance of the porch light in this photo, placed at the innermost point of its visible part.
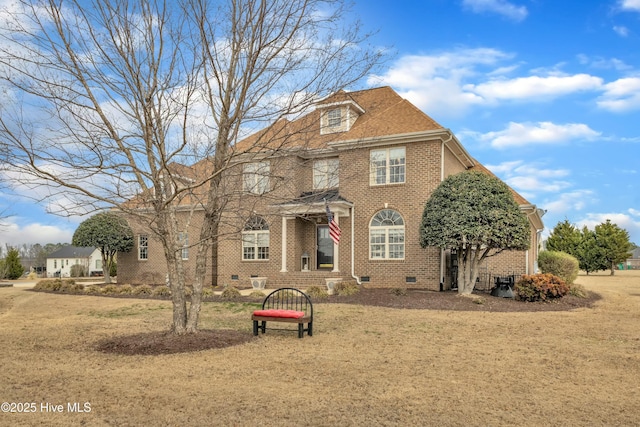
(304, 261)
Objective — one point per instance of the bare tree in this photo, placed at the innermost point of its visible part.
(110, 99)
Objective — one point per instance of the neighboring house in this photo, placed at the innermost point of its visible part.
(633, 263)
(61, 262)
(374, 159)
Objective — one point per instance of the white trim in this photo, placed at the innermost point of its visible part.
(283, 265)
(336, 250)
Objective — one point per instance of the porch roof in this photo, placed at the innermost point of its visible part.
(313, 203)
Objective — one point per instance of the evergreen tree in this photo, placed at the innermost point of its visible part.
(12, 266)
(475, 214)
(108, 232)
(590, 254)
(614, 243)
(566, 238)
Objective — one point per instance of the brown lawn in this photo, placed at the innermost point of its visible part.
(365, 365)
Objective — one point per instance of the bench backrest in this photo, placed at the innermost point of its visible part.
(288, 299)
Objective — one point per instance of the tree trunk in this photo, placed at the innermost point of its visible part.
(106, 270)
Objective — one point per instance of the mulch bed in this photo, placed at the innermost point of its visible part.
(156, 343)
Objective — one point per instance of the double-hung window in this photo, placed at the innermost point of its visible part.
(388, 166)
(143, 247)
(183, 240)
(255, 177)
(386, 235)
(334, 117)
(325, 174)
(255, 240)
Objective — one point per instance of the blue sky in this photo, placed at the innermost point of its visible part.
(545, 93)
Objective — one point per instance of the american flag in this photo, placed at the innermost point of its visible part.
(334, 228)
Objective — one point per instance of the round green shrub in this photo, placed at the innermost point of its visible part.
(559, 264)
(540, 287)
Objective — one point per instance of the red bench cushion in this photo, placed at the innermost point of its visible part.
(292, 314)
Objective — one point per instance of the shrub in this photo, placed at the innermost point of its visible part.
(208, 292)
(316, 292)
(346, 287)
(126, 289)
(32, 276)
(66, 287)
(77, 288)
(230, 293)
(257, 294)
(161, 291)
(559, 264)
(55, 285)
(78, 270)
(142, 290)
(43, 285)
(577, 290)
(401, 292)
(110, 289)
(92, 289)
(540, 287)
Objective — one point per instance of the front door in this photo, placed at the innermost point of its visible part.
(325, 248)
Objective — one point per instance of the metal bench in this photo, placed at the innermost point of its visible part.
(288, 305)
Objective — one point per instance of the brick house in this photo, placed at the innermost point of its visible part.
(373, 159)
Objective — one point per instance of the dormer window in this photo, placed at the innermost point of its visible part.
(335, 117)
(338, 116)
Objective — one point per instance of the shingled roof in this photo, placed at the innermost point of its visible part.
(385, 113)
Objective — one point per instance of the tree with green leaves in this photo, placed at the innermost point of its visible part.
(11, 267)
(614, 243)
(564, 237)
(108, 232)
(475, 214)
(589, 253)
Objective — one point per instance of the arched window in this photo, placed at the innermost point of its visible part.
(386, 235)
(255, 239)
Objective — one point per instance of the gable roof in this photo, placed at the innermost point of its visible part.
(385, 113)
(73, 252)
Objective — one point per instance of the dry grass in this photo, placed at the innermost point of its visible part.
(363, 366)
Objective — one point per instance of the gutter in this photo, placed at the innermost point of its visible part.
(353, 246)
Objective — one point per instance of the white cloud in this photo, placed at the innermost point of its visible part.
(621, 30)
(621, 95)
(634, 212)
(434, 82)
(632, 5)
(14, 234)
(622, 220)
(450, 83)
(501, 7)
(570, 201)
(531, 179)
(535, 87)
(520, 134)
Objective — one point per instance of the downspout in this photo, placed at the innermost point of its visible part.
(353, 246)
(442, 257)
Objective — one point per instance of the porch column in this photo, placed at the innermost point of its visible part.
(336, 250)
(283, 268)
